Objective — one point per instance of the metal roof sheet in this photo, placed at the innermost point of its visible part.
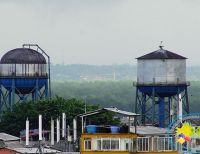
(111, 109)
(161, 54)
(149, 130)
(23, 56)
(7, 137)
(34, 150)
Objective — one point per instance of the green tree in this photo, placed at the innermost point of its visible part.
(13, 122)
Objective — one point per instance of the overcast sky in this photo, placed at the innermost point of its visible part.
(101, 31)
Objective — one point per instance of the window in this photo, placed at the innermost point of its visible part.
(106, 144)
(115, 144)
(87, 143)
(125, 144)
(133, 146)
(198, 142)
(143, 144)
(110, 144)
(98, 144)
(165, 143)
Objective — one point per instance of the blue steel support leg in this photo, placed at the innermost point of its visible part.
(1, 102)
(136, 105)
(36, 90)
(136, 101)
(46, 90)
(9, 99)
(12, 94)
(153, 106)
(33, 96)
(161, 112)
(169, 109)
(143, 109)
(187, 102)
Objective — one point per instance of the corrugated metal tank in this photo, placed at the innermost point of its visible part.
(161, 67)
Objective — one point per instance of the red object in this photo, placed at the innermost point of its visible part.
(187, 138)
(7, 151)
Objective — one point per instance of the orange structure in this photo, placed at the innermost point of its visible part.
(7, 151)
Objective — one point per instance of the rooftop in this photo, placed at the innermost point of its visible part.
(6, 137)
(161, 54)
(149, 130)
(110, 109)
(23, 56)
(34, 150)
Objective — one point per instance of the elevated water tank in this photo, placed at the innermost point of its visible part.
(26, 66)
(161, 86)
(161, 67)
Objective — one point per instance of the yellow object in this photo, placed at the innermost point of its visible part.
(181, 140)
(186, 129)
(198, 131)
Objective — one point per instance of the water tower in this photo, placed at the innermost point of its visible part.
(161, 89)
(24, 75)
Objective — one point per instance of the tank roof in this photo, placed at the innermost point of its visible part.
(161, 54)
(23, 56)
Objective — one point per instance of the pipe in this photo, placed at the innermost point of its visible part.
(82, 124)
(75, 129)
(52, 132)
(40, 127)
(63, 125)
(68, 132)
(180, 107)
(27, 132)
(58, 129)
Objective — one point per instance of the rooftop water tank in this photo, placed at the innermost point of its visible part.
(161, 67)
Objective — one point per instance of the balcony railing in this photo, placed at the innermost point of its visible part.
(155, 144)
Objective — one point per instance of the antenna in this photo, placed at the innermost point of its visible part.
(161, 45)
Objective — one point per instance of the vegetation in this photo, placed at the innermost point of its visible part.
(120, 94)
(77, 72)
(13, 122)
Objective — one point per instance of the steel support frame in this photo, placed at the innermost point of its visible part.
(8, 97)
(156, 110)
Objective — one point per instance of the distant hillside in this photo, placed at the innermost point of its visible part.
(80, 72)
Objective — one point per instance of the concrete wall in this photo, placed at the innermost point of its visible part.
(168, 71)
